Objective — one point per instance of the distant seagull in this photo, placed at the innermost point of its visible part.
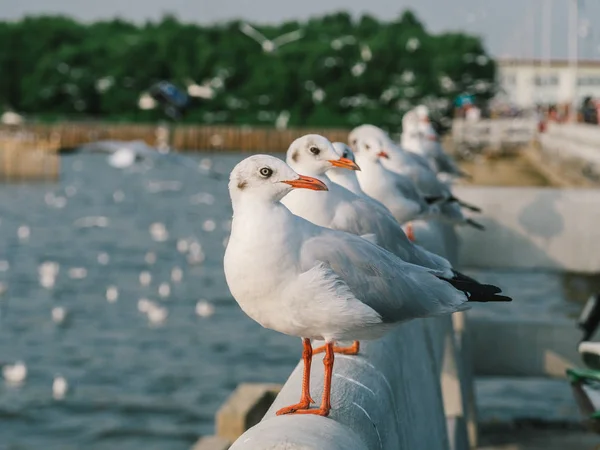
(282, 120)
(59, 387)
(15, 374)
(123, 154)
(269, 46)
(204, 308)
(59, 314)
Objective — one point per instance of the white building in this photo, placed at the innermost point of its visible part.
(528, 82)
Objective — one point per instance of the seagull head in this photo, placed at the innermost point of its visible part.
(267, 178)
(370, 150)
(315, 155)
(422, 112)
(363, 131)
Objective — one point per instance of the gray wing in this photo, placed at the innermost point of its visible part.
(418, 160)
(408, 190)
(396, 290)
(446, 164)
(362, 216)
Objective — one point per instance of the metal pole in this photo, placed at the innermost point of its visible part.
(573, 55)
(547, 44)
(546, 33)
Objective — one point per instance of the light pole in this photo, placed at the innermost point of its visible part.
(573, 55)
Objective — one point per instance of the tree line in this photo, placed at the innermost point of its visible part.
(341, 71)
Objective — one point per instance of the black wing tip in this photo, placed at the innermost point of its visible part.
(466, 205)
(470, 207)
(475, 224)
(432, 200)
(461, 276)
(490, 298)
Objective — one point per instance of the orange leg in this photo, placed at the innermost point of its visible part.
(351, 350)
(305, 399)
(323, 410)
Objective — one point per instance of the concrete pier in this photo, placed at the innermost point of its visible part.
(402, 391)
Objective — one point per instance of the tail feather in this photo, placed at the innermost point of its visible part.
(477, 292)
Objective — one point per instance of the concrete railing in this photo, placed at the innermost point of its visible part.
(494, 133)
(535, 228)
(575, 148)
(407, 390)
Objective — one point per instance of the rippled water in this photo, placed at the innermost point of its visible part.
(134, 384)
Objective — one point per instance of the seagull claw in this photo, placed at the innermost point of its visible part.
(350, 350)
(302, 405)
(317, 411)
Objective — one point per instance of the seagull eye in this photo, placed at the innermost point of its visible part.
(367, 147)
(266, 172)
(314, 150)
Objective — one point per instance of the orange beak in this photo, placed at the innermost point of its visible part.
(307, 183)
(383, 154)
(344, 163)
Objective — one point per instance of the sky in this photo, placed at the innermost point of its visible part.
(510, 28)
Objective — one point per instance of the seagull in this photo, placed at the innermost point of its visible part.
(419, 137)
(367, 130)
(303, 280)
(413, 165)
(269, 46)
(397, 192)
(394, 189)
(15, 374)
(59, 387)
(123, 154)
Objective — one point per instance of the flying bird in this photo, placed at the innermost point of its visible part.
(268, 45)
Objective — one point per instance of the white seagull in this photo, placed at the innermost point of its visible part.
(419, 137)
(303, 280)
(123, 154)
(393, 189)
(397, 192)
(268, 45)
(413, 165)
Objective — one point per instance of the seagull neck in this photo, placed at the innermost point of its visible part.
(346, 179)
(257, 217)
(254, 205)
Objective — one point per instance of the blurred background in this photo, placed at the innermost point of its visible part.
(117, 329)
